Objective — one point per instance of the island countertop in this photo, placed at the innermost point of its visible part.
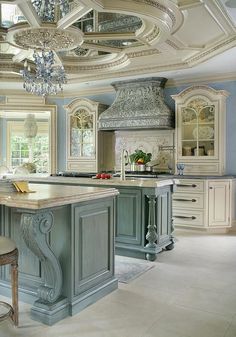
(48, 195)
(114, 181)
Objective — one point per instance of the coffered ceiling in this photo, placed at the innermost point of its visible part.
(178, 39)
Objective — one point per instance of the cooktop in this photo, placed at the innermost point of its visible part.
(146, 174)
(74, 174)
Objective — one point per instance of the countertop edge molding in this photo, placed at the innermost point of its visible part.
(45, 199)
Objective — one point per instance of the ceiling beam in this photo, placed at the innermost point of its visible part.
(95, 4)
(109, 36)
(96, 46)
(73, 16)
(22, 55)
(29, 12)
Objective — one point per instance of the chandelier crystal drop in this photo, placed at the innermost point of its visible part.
(46, 9)
(48, 78)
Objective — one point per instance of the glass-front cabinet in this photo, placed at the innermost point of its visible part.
(88, 150)
(82, 134)
(200, 130)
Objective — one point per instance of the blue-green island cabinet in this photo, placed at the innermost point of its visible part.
(66, 253)
(143, 217)
(144, 221)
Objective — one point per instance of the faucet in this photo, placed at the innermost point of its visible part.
(123, 161)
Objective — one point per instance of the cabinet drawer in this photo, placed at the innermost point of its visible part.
(188, 218)
(188, 200)
(187, 185)
(82, 166)
(202, 168)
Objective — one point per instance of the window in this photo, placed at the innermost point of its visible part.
(23, 150)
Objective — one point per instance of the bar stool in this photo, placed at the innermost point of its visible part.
(9, 255)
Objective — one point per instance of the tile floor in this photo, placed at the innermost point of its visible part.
(191, 292)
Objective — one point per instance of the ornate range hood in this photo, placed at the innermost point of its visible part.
(139, 104)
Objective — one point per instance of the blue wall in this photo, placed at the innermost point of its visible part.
(229, 86)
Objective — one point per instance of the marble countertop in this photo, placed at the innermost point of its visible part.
(202, 177)
(114, 181)
(162, 180)
(47, 195)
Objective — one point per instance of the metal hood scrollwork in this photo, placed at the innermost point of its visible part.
(139, 104)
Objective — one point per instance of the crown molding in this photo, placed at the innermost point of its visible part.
(89, 91)
(82, 92)
(202, 80)
(170, 83)
(185, 4)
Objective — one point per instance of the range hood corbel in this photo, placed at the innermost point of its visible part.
(139, 104)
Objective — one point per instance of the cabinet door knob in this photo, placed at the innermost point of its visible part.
(210, 188)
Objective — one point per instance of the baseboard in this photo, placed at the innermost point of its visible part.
(213, 230)
(233, 228)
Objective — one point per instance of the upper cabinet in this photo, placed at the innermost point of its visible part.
(200, 130)
(88, 150)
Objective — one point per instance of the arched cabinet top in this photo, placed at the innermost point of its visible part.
(84, 103)
(199, 91)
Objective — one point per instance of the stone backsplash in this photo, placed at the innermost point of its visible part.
(148, 141)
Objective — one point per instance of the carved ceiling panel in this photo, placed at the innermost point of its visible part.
(200, 28)
(128, 37)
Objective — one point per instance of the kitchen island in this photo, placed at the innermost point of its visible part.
(143, 212)
(65, 237)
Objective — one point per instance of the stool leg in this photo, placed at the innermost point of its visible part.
(14, 278)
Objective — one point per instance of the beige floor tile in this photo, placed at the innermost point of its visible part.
(191, 292)
(231, 332)
(191, 323)
(208, 300)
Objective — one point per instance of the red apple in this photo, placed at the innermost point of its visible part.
(108, 176)
(103, 175)
(98, 175)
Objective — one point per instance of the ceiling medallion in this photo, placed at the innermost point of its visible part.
(46, 41)
(47, 36)
(49, 77)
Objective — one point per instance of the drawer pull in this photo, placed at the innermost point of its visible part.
(186, 185)
(185, 217)
(191, 200)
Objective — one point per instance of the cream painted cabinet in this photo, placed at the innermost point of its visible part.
(88, 150)
(203, 204)
(219, 203)
(189, 201)
(200, 130)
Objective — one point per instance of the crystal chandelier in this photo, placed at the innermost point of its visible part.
(45, 40)
(48, 78)
(47, 9)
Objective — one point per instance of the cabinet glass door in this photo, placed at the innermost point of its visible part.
(198, 129)
(82, 137)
